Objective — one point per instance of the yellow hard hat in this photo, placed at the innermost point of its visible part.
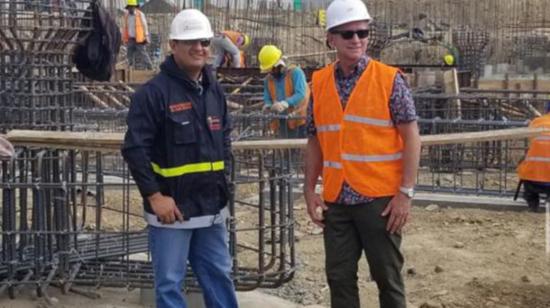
(246, 41)
(449, 59)
(269, 56)
(132, 3)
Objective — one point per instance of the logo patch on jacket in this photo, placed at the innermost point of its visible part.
(180, 107)
(214, 123)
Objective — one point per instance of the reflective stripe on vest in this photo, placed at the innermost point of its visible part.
(370, 121)
(187, 169)
(372, 158)
(538, 158)
(328, 128)
(543, 138)
(332, 164)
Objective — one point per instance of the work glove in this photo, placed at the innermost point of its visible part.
(279, 107)
(266, 108)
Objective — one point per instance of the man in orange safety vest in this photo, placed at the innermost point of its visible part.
(534, 170)
(135, 35)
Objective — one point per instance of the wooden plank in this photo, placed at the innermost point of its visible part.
(491, 135)
(247, 81)
(108, 142)
(451, 86)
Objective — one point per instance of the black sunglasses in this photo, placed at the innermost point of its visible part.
(348, 35)
(203, 42)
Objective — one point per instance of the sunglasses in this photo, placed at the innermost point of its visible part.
(348, 35)
(203, 42)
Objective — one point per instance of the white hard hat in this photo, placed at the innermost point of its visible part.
(190, 24)
(341, 12)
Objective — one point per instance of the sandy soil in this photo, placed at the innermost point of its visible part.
(454, 258)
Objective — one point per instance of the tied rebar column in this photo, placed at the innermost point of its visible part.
(36, 42)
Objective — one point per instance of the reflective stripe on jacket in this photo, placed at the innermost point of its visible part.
(360, 144)
(299, 110)
(176, 141)
(536, 165)
(140, 30)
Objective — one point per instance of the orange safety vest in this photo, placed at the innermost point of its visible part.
(536, 165)
(299, 110)
(233, 36)
(360, 145)
(140, 31)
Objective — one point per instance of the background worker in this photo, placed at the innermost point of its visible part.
(228, 49)
(135, 35)
(363, 138)
(178, 149)
(285, 92)
(449, 59)
(534, 170)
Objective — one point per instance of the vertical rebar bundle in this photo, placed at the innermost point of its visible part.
(36, 85)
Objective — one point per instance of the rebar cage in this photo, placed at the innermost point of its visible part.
(36, 38)
(75, 218)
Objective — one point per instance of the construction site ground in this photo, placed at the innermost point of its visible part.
(455, 257)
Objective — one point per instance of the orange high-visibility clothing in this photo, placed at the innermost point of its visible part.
(299, 110)
(360, 145)
(536, 165)
(140, 30)
(233, 36)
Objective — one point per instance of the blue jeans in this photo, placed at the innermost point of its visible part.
(207, 252)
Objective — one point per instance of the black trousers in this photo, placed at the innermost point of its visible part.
(531, 192)
(350, 230)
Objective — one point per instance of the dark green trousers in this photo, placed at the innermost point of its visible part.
(350, 230)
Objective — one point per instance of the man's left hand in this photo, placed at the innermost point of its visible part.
(399, 211)
(279, 107)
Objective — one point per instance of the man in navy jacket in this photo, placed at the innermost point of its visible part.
(178, 150)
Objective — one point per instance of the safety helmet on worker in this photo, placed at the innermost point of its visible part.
(449, 59)
(269, 57)
(341, 12)
(190, 24)
(243, 41)
(132, 3)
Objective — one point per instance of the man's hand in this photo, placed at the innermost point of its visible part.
(165, 208)
(315, 207)
(399, 210)
(279, 107)
(266, 108)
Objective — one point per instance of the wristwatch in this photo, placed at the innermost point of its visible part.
(409, 192)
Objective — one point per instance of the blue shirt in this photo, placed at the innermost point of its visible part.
(299, 85)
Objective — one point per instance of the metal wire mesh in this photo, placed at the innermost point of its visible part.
(68, 218)
(36, 86)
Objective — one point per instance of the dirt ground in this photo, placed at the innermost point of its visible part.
(453, 258)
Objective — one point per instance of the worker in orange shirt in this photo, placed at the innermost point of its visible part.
(228, 49)
(135, 35)
(534, 170)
